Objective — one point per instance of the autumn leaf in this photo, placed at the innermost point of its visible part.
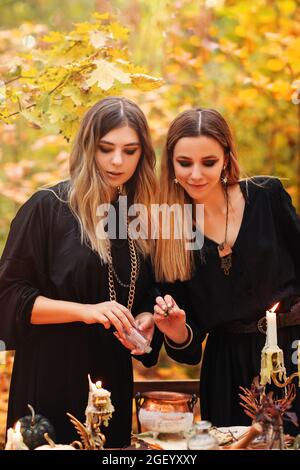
(146, 82)
(69, 127)
(105, 74)
(98, 39)
(119, 31)
(33, 116)
(74, 93)
(44, 102)
(68, 72)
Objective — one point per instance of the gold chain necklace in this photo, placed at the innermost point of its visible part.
(133, 274)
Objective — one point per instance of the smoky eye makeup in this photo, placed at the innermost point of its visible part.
(209, 163)
(184, 163)
(130, 151)
(105, 148)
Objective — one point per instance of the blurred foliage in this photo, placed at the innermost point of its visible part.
(241, 58)
(58, 76)
(238, 57)
(55, 13)
(50, 79)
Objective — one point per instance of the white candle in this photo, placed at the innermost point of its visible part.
(271, 329)
(15, 439)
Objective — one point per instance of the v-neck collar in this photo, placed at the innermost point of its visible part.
(244, 189)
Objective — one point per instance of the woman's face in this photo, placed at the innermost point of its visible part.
(198, 163)
(118, 154)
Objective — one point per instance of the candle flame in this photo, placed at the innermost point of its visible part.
(99, 384)
(274, 307)
(18, 426)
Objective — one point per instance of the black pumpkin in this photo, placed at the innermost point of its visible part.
(34, 427)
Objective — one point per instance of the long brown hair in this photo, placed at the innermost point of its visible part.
(88, 187)
(171, 259)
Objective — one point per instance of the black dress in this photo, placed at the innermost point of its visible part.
(265, 269)
(44, 256)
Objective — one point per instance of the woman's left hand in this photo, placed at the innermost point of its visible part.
(145, 324)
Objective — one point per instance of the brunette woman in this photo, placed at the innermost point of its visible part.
(67, 293)
(248, 261)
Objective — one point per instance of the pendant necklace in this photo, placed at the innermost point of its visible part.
(224, 248)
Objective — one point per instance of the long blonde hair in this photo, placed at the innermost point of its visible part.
(88, 187)
(171, 260)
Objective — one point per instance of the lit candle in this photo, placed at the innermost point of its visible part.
(271, 327)
(272, 360)
(97, 389)
(15, 439)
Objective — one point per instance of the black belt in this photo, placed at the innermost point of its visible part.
(284, 319)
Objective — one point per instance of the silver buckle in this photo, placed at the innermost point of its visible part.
(262, 325)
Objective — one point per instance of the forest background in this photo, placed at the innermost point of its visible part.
(58, 58)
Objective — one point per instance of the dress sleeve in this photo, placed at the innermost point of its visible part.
(147, 305)
(23, 270)
(290, 225)
(191, 354)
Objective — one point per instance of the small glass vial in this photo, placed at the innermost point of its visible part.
(201, 439)
(140, 342)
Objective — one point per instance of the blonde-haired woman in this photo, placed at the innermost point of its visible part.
(247, 260)
(68, 294)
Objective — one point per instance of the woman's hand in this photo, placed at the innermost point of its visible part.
(108, 314)
(170, 319)
(144, 323)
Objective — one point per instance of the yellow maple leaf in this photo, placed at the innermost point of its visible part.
(105, 74)
(69, 128)
(98, 39)
(146, 82)
(33, 116)
(119, 31)
(74, 93)
(54, 37)
(56, 113)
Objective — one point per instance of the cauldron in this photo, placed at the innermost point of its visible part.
(165, 412)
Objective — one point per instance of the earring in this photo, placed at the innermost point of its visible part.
(175, 180)
(224, 178)
(119, 190)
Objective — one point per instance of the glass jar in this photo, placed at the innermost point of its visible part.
(201, 439)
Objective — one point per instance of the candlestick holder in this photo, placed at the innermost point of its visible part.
(284, 383)
(98, 411)
(271, 360)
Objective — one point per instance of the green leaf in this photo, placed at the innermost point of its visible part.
(43, 102)
(74, 93)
